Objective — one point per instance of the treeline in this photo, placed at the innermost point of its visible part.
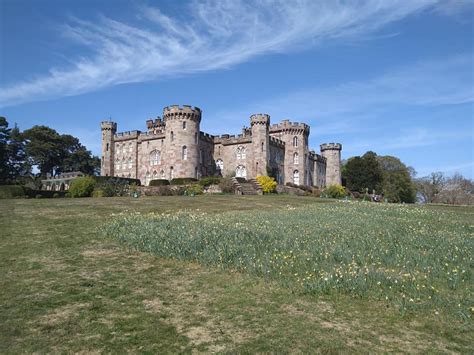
(44, 148)
(396, 182)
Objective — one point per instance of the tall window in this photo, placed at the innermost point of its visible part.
(130, 147)
(241, 153)
(172, 136)
(295, 158)
(155, 175)
(240, 171)
(220, 165)
(296, 177)
(155, 157)
(130, 164)
(262, 146)
(184, 153)
(107, 147)
(295, 141)
(184, 124)
(162, 174)
(117, 164)
(124, 164)
(147, 178)
(171, 173)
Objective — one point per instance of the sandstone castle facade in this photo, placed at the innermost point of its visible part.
(174, 147)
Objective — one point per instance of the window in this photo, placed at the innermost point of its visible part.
(295, 141)
(130, 164)
(162, 174)
(155, 157)
(124, 164)
(262, 146)
(295, 158)
(117, 164)
(184, 153)
(240, 171)
(171, 173)
(130, 148)
(296, 177)
(184, 124)
(155, 175)
(172, 136)
(107, 147)
(240, 153)
(220, 165)
(147, 178)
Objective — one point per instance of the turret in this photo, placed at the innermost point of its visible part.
(259, 124)
(108, 129)
(332, 153)
(182, 128)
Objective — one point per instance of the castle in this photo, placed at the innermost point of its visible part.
(174, 147)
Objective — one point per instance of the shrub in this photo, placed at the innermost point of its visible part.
(183, 181)
(98, 193)
(67, 194)
(195, 189)
(210, 180)
(39, 196)
(226, 185)
(267, 183)
(82, 187)
(159, 182)
(115, 187)
(316, 192)
(11, 191)
(56, 195)
(335, 191)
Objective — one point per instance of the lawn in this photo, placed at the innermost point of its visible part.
(70, 283)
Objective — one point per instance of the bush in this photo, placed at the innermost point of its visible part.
(210, 180)
(267, 183)
(98, 193)
(226, 185)
(39, 196)
(316, 192)
(100, 180)
(11, 191)
(195, 189)
(183, 181)
(159, 182)
(335, 191)
(56, 195)
(115, 187)
(82, 187)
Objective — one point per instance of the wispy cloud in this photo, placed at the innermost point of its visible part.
(215, 35)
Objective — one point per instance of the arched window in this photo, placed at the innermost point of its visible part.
(295, 141)
(296, 158)
(184, 153)
(147, 178)
(240, 171)
(124, 164)
(243, 152)
(118, 148)
(155, 175)
(220, 165)
(172, 136)
(155, 157)
(184, 124)
(117, 164)
(240, 153)
(130, 147)
(162, 174)
(130, 164)
(107, 147)
(262, 146)
(296, 177)
(171, 173)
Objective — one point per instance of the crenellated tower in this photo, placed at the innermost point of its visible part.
(182, 127)
(259, 124)
(332, 153)
(295, 135)
(108, 129)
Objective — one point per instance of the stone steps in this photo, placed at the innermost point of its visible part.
(248, 188)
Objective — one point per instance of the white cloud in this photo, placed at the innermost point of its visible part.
(210, 35)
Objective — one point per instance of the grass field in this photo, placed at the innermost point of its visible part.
(65, 287)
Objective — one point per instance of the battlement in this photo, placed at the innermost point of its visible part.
(108, 126)
(330, 146)
(260, 119)
(276, 142)
(153, 124)
(127, 135)
(206, 137)
(228, 139)
(182, 112)
(288, 127)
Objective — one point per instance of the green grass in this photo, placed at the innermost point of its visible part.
(65, 288)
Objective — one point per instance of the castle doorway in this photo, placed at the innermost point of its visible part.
(296, 177)
(241, 172)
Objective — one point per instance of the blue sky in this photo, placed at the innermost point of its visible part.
(392, 76)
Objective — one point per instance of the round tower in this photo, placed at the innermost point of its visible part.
(182, 128)
(332, 153)
(259, 124)
(108, 129)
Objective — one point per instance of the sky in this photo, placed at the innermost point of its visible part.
(392, 76)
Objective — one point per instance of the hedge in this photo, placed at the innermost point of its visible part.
(159, 182)
(100, 180)
(210, 180)
(183, 181)
(11, 191)
(16, 191)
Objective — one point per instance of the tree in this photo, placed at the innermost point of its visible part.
(4, 138)
(397, 185)
(363, 173)
(429, 187)
(457, 190)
